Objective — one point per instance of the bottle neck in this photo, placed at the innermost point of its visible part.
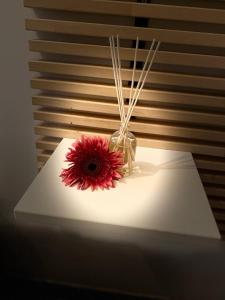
(125, 131)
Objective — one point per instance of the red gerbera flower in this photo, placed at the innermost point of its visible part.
(91, 164)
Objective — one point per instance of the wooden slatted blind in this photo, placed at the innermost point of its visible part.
(183, 104)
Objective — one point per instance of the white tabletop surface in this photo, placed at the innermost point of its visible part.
(166, 194)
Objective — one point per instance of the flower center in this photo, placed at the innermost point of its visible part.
(92, 167)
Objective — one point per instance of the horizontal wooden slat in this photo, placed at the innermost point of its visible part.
(210, 163)
(96, 122)
(142, 127)
(127, 32)
(221, 226)
(43, 156)
(98, 51)
(219, 216)
(109, 91)
(139, 111)
(215, 191)
(53, 130)
(158, 11)
(40, 164)
(63, 131)
(47, 143)
(211, 177)
(95, 71)
(41, 161)
(219, 204)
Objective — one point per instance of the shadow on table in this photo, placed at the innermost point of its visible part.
(143, 168)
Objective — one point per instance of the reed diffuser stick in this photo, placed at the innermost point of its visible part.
(131, 107)
(138, 88)
(143, 70)
(120, 76)
(115, 75)
(117, 72)
(134, 68)
(116, 78)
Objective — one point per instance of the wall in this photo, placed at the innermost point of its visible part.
(17, 152)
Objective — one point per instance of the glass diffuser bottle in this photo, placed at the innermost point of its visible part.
(125, 143)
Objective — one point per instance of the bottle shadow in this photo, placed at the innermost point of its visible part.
(143, 168)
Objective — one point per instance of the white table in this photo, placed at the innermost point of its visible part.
(165, 195)
(116, 232)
